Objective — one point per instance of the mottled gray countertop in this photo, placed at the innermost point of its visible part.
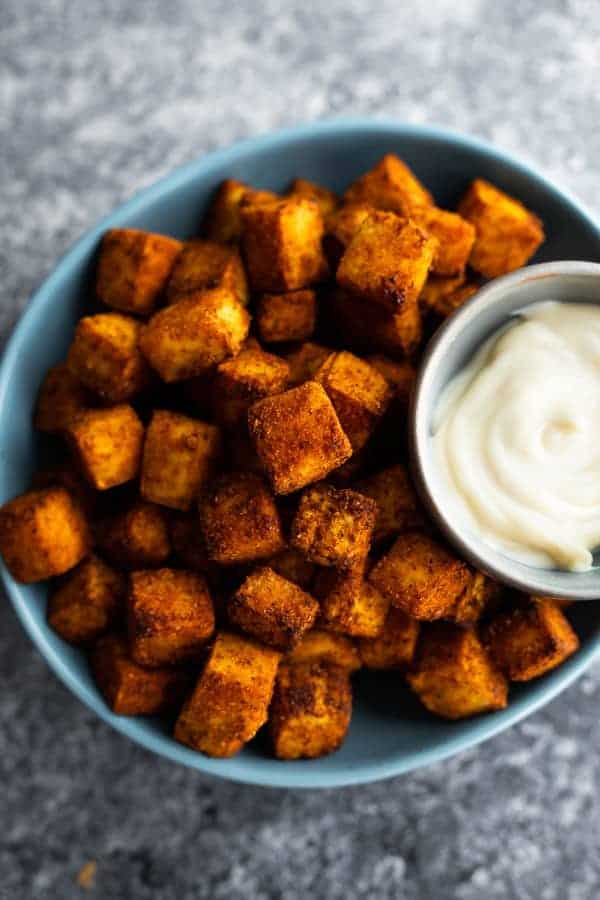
(100, 98)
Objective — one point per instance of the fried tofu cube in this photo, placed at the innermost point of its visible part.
(281, 241)
(441, 298)
(68, 477)
(349, 604)
(507, 233)
(231, 699)
(60, 398)
(530, 640)
(298, 437)
(170, 617)
(239, 519)
(188, 544)
(294, 566)
(241, 381)
(191, 336)
(387, 261)
(481, 596)
(137, 537)
(453, 675)
(437, 288)
(304, 361)
(420, 576)
(128, 688)
(395, 645)
(87, 603)
(323, 646)
(286, 317)
(454, 235)
(340, 228)
(180, 455)
(104, 356)
(401, 376)
(133, 268)
(203, 265)
(360, 395)
(224, 218)
(107, 444)
(311, 710)
(325, 199)
(397, 503)
(390, 185)
(272, 609)
(368, 327)
(42, 533)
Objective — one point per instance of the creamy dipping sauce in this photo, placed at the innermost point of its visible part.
(517, 437)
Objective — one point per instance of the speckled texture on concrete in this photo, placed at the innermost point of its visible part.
(100, 98)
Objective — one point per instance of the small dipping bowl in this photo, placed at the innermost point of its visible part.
(451, 348)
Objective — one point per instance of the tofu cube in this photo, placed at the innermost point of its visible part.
(443, 296)
(60, 398)
(231, 699)
(203, 265)
(68, 477)
(395, 645)
(401, 376)
(507, 233)
(42, 533)
(170, 617)
(340, 228)
(420, 576)
(133, 268)
(294, 566)
(188, 544)
(370, 328)
(104, 356)
(286, 317)
(298, 437)
(481, 596)
(455, 237)
(241, 381)
(391, 185)
(180, 455)
(137, 537)
(398, 507)
(87, 603)
(107, 444)
(349, 604)
(304, 362)
(224, 218)
(325, 199)
(327, 647)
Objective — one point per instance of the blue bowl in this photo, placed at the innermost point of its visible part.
(389, 734)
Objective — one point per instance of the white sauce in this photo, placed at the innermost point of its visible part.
(517, 437)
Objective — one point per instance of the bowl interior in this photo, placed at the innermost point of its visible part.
(389, 732)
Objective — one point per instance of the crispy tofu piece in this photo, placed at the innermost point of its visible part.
(87, 603)
(203, 265)
(387, 261)
(481, 596)
(442, 302)
(69, 477)
(241, 381)
(334, 527)
(370, 328)
(170, 617)
(397, 503)
(231, 699)
(137, 537)
(191, 336)
(298, 437)
(325, 199)
(42, 533)
(420, 576)
(323, 646)
(390, 185)
(188, 543)
(224, 220)
(60, 398)
(349, 604)
(128, 688)
(294, 566)
(180, 455)
(399, 374)
(437, 288)
(239, 519)
(340, 228)
(272, 609)
(507, 233)
(311, 710)
(104, 356)
(394, 647)
(133, 268)
(454, 235)
(304, 361)
(286, 317)
(359, 393)
(530, 640)
(107, 444)
(281, 241)
(453, 675)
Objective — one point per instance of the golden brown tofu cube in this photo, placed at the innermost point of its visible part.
(453, 675)
(298, 437)
(203, 265)
(507, 233)
(42, 533)
(104, 356)
(231, 699)
(442, 296)
(282, 244)
(60, 398)
(394, 647)
(189, 337)
(530, 640)
(272, 609)
(397, 503)
(390, 185)
(340, 228)
(137, 537)
(360, 395)
(420, 576)
(481, 596)
(368, 327)
(180, 455)
(399, 374)
(387, 261)
(437, 288)
(286, 317)
(224, 220)
(128, 688)
(133, 268)
(319, 645)
(454, 235)
(87, 603)
(349, 604)
(170, 617)
(294, 566)
(325, 199)
(311, 710)
(305, 361)
(108, 445)
(68, 477)
(239, 519)
(241, 381)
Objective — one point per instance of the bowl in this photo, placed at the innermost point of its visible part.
(390, 733)
(451, 348)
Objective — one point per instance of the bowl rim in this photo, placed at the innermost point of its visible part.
(307, 774)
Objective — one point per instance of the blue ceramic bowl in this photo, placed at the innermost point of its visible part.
(389, 734)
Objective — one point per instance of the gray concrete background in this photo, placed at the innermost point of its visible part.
(99, 99)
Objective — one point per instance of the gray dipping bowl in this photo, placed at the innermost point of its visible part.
(451, 348)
